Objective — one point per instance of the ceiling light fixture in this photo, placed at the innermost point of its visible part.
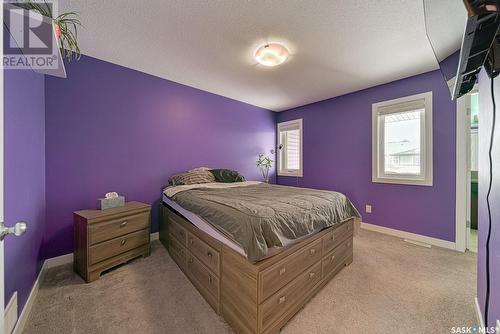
(271, 54)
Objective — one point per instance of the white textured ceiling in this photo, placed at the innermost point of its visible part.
(336, 47)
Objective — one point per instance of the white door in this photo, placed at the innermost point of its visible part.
(2, 287)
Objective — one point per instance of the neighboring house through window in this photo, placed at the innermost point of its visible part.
(402, 140)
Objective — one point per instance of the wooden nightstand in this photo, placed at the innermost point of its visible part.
(106, 238)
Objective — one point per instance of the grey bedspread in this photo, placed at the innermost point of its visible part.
(261, 216)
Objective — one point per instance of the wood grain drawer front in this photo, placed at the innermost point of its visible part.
(206, 254)
(336, 236)
(117, 246)
(177, 231)
(277, 276)
(206, 282)
(336, 257)
(290, 296)
(115, 228)
(177, 251)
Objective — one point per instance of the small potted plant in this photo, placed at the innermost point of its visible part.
(65, 27)
(264, 163)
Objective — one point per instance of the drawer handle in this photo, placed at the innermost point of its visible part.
(348, 228)
(333, 236)
(209, 254)
(209, 278)
(191, 240)
(311, 274)
(282, 300)
(190, 260)
(123, 242)
(332, 258)
(282, 271)
(312, 251)
(124, 224)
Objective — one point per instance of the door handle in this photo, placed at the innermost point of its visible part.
(18, 229)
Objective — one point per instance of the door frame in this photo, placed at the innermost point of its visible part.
(2, 273)
(462, 175)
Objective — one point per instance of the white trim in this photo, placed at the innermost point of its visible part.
(498, 326)
(410, 236)
(2, 254)
(58, 261)
(479, 315)
(47, 264)
(283, 126)
(461, 175)
(23, 317)
(426, 143)
(418, 243)
(10, 314)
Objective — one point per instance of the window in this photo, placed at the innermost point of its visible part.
(402, 140)
(290, 148)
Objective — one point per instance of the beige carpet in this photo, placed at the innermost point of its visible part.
(391, 287)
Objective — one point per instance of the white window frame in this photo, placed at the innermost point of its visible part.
(284, 126)
(426, 156)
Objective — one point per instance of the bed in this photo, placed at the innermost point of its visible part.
(257, 252)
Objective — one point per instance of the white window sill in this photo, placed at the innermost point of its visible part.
(290, 174)
(393, 180)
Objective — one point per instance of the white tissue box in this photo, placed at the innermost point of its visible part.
(108, 203)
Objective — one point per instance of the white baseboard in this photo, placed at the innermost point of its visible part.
(23, 317)
(410, 236)
(48, 263)
(10, 314)
(479, 315)
(58, 261)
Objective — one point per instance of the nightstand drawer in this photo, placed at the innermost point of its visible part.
(117, 246)
(117, 227)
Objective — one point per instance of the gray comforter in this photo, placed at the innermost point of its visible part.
(261, 216)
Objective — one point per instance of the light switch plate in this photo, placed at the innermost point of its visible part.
(368, 209)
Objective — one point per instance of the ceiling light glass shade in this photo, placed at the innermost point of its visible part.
(271, 54)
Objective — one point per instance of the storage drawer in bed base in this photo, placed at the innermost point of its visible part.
(255, 297)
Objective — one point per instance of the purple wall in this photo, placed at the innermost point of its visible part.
(337, 156)
(24, 168)
(110, 128)
(485, 116)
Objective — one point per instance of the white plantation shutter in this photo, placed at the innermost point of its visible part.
(290, 152)
(292, 149)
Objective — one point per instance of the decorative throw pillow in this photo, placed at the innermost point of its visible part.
(192, 177)
(227, 175)
(198, 169)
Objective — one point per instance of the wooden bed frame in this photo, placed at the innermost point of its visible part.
(256, 297)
